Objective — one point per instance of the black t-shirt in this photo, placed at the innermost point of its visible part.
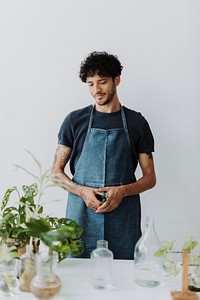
(74, 128)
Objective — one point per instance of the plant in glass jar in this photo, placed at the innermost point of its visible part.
(61, 237)
(8, 269)
(172, 259)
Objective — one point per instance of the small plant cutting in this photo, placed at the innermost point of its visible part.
(61, 235)
(170, 266)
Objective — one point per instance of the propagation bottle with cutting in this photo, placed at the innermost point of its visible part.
(148, 268)
(101, 266)
(27, 269)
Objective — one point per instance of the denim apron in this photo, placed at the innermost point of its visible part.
(106, 160)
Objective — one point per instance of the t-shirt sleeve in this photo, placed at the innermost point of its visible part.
(65, 134)
(146, 140)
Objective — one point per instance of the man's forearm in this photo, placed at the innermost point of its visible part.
(58, 176)
(146, 181)
(143, 184)
(62, 180)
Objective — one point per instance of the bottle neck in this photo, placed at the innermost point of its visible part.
(102, 244)
(149, 223)
(149, 230)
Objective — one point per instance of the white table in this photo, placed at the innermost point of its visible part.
(75, 277)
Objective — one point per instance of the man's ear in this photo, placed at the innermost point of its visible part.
(117, 80)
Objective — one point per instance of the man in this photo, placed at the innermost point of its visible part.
(104, 144)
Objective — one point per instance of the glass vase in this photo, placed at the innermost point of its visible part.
(27, 269)
(101, 263)
(148, 268)
(46, 283)
(9, 271)
(194, 273)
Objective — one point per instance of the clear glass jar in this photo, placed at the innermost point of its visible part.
(101, 262)
(27, 269)
(148, 268)
(8, 277)
(46, 283)
(194, 273)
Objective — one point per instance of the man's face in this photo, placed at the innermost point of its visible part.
(102, 89)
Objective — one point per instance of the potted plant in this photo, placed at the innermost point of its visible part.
(28, 210)
(13, 229)
(26, 223)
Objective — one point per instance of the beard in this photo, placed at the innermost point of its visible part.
(109, 98)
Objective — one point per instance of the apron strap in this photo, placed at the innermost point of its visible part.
(91, 118)
(123, 121)
(125, 127)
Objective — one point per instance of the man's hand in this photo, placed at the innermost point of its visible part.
(114, 198)
(89, 196)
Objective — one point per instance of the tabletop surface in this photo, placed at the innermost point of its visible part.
(75, 277)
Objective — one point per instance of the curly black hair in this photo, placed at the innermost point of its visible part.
(100, 63)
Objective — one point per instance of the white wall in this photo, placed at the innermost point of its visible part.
(42, 43)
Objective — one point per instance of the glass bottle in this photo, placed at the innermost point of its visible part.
(101, 261)
(46, 283)
(148, 268)
(8, 277)
(27, 269)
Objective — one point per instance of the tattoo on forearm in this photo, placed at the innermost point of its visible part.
(60, 153)
(64, 157)
(59, 177)
(71, 185)
(55, 160)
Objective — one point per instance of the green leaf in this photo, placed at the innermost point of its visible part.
(9, 211)
(159, 252)
(7, 197)
(166, 246)
(38, 227)
(40, 209)
(77, 247)
(20, 233)
(51, 237)
(30, 191)
(189, 244)
(7, 253)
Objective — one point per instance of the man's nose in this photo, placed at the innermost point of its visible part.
(97, 88)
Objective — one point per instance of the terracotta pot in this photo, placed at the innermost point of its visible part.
(22, 249)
